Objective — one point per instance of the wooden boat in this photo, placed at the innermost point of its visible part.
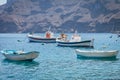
(47, 39)
(96, 53)
(20, 55)
(74, 42)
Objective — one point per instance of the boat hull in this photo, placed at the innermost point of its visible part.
(41, 40)
(86, 43)
(22, 57)
(96, 54)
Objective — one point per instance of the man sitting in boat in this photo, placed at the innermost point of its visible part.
(63, 37)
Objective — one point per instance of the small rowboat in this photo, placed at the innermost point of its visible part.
(96, 53)
(20, 55)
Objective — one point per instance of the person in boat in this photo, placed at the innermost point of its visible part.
(48, 34)
(63, 36)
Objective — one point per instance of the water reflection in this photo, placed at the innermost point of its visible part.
(23, 63)
(94, 58)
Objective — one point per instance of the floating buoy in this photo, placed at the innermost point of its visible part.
(19, 40)
(42, 44)
(110, 36)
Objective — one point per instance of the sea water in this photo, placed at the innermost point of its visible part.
(59, 63)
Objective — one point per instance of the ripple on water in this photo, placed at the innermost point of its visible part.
(58, 63)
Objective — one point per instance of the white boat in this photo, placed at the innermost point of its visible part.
(34, 38)
(49, 38)
(75, 41)
(20, 55)
(96, 53)
(86, 43)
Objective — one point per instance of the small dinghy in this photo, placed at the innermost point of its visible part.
(96, 53)
(20, 55)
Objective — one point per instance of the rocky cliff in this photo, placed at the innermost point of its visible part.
(61, 15)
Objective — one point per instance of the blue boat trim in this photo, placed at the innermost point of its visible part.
(14, 52)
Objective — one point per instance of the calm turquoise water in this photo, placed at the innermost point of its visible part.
(59, 63)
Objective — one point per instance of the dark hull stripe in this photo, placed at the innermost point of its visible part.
(42, 38)
(75, 45)
(44, 41)
(87, 41)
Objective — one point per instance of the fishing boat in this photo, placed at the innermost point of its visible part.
(96, 53)
(75, 41)
(20, 55)
(49, 38)
(85, 43)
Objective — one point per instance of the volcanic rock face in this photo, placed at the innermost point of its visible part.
(62, 15)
